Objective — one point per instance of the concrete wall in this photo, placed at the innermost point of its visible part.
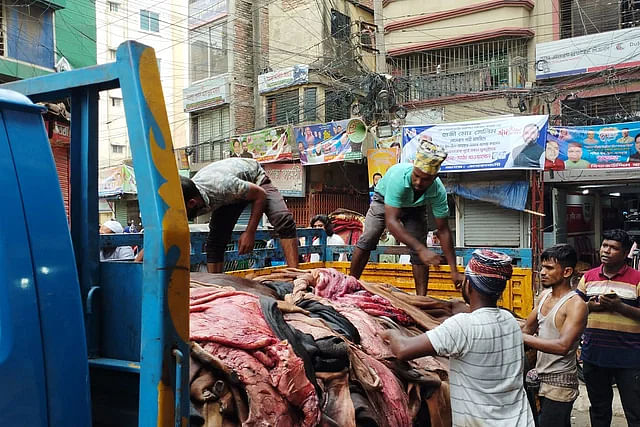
(458, 26)
(300, 33)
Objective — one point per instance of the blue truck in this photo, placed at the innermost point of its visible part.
(84, 342)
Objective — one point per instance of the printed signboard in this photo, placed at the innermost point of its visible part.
(288, 178)
(587, 54)
(503, 143)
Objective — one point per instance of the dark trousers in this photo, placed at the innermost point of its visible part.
(224, 219)
(554, 413)
(600, 390)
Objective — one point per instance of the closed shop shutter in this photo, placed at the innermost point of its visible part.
(61, 158)
(121, 211)
(133, 212)
(486, 224)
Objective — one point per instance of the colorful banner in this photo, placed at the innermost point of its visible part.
(593, 147)
(325, 143)
(117, 180)
(288, 178)
(378, 161)
(268, 145)
(504, 143)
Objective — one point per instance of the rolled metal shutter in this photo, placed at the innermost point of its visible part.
(486, 224)
(61, 158)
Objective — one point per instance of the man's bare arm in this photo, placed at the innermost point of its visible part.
(530, 326)
(407, 348)
(573, 327)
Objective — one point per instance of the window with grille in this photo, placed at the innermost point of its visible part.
(601, 109)
(117, 149)
(114, 7)
(476, 67)
(210, 133)
(283, 108)
(582, 17)
(335, 107)
(111, 54)
(367, 36)
(149, 21)
(310, 101)
(340, 25)
(116, 102)
(208, 51)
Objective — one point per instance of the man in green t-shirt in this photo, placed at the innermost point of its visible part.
(399, 204)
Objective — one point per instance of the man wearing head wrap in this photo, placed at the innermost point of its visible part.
(485, 350)
(399, 204)
(120, 253)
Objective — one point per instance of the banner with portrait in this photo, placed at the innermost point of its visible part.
(379, 160)
(265, 146)
(503, 143)
(325, 143)
(593, 147)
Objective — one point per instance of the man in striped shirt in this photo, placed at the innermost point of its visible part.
(611, 341)
(485, 350)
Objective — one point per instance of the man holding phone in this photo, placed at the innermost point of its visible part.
(611, 341)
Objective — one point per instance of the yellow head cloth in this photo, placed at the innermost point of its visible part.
(429, 157)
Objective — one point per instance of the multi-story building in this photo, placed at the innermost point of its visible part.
(42, 37)
(161, 26)
(587, 65)
(469, 60)
(233, 42)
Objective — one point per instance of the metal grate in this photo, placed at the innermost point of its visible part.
(477, 67)
(210, 132)
(582, 17)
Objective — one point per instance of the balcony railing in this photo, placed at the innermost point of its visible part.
(450, 84)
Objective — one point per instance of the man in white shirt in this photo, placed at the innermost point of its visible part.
(485, 350)
(120, 253)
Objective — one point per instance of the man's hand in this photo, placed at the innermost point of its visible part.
(394, 338)
(457, 278)
(594, 305)
(610, 302)
(428, 257)
(246, 243)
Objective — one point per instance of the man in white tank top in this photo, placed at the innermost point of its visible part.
(558, 320)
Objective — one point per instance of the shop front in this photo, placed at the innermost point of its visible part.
(584, 203)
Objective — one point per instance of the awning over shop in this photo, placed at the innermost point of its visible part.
(511, 195)
(116, 181)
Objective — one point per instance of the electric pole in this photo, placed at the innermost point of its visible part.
(381, 55)
(257, 62)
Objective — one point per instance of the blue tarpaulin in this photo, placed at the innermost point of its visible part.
(511, 195)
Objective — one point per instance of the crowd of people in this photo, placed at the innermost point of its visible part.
(487, 346)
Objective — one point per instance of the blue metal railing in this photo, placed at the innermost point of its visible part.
(262, 256)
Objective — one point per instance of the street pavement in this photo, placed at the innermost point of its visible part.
(580, 413)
